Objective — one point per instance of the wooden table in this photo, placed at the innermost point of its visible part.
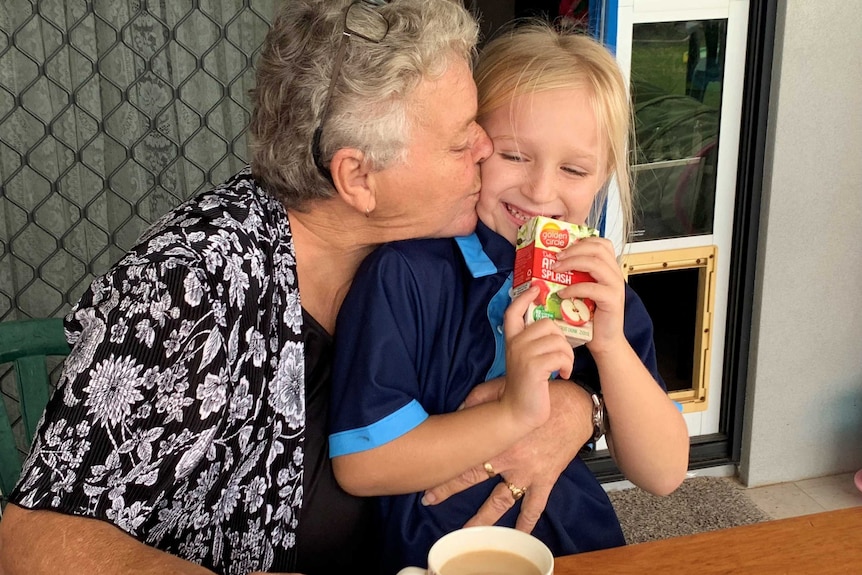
(819, 544)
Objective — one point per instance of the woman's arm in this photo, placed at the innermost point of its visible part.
(534, 463)
(72, 545)
(443, 446)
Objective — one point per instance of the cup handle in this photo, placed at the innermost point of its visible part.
(412, 571)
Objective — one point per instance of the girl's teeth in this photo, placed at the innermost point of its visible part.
(524, 217)
(520, 215)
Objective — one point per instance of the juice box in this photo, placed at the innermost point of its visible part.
(538, 239)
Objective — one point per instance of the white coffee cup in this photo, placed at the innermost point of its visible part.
(469, 540)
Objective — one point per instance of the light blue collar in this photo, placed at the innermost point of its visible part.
(478, 262)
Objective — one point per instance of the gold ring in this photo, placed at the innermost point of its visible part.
(490, 470)
(517, 492)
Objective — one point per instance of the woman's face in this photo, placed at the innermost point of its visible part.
(434, 192)
(549, 159)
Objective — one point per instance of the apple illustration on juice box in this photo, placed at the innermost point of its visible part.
(538, 239)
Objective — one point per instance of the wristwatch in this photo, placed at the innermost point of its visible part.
(600, 418)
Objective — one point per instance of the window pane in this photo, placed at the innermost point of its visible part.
(676, 77)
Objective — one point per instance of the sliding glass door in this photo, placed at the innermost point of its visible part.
(685, 62)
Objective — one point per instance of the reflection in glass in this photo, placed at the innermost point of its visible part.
(569, 13)
(676, 77)
(578, 15)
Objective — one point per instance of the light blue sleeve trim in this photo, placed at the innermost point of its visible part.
(383, 431)
(478, 262)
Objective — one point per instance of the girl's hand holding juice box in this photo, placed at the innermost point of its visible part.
(538, 239)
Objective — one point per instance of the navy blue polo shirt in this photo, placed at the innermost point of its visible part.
(421, 326)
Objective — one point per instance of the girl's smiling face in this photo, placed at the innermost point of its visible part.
(549, 159)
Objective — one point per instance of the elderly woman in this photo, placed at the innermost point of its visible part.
(188, 431)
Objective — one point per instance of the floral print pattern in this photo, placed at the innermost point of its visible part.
(180, 414)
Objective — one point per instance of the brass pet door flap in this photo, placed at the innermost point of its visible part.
(678, 290)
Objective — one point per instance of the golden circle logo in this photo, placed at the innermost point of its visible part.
(552, 236)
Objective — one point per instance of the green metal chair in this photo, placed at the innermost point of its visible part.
(26, 344)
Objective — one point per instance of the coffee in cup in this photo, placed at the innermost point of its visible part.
(487, 551)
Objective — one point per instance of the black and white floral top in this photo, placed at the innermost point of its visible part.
(180, 415)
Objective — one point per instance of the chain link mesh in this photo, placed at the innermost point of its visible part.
(111, 113)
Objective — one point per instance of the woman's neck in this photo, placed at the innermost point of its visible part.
(330, 243)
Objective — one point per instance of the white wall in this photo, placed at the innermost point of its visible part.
(804, 402)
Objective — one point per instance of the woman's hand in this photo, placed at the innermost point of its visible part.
(534, 463)
(596, 257)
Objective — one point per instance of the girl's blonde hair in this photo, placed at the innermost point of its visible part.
(534, 57)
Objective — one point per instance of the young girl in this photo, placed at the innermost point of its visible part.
(423, 323)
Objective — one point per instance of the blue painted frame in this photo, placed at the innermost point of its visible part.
(603, 21)
(604, 17)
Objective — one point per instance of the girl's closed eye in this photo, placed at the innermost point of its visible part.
(512, 157)
(575, 171)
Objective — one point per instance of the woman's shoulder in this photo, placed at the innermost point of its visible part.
(234, 218)
(237, 205)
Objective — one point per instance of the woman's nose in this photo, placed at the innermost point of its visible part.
(483, 148)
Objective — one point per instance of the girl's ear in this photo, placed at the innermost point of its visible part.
(350, 175)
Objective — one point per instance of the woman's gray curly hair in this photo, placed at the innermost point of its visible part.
(368, 109)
